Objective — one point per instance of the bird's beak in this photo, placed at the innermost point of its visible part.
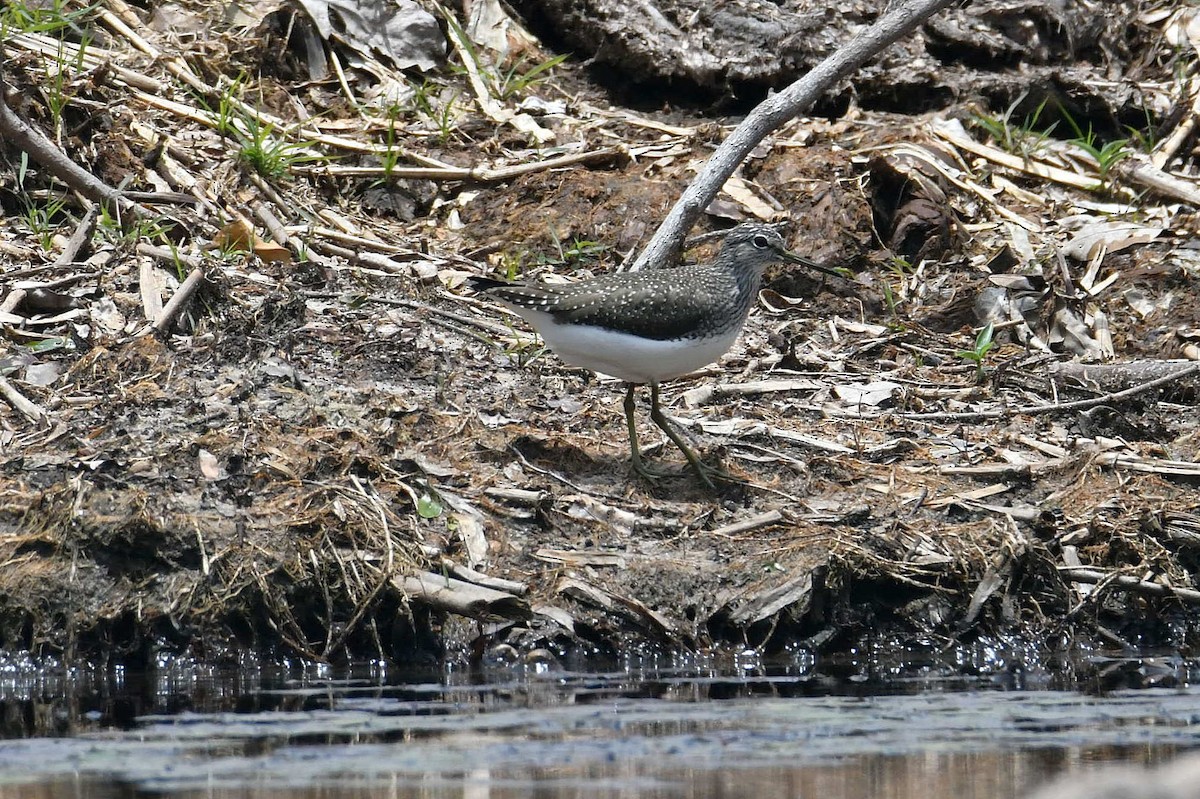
(792, 257)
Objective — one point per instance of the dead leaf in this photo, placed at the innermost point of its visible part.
(399, 31)
(872, 394)
(1111, 236)
(238, 235)
(469, 530)
(752, 198)
(42, 374)
(210, 467)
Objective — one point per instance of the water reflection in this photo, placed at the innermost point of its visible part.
(681, 730)
(929, 775)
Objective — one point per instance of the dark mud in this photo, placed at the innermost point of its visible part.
(274, 469)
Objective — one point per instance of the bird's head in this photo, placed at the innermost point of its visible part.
(756, 245)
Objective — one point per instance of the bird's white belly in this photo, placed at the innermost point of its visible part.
(625, 356)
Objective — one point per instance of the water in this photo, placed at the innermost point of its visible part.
(635, 729)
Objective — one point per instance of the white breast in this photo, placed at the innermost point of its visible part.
(624, 356)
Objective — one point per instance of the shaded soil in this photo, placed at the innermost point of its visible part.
(270, 468)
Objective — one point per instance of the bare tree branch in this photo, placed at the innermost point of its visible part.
(771, 114)
(28, 138)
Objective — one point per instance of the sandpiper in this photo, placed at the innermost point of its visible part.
(651, 325)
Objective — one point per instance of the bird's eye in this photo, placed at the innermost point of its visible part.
(761, 242)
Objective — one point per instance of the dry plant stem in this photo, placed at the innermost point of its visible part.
(335, 644)
(1035, 410)
(30, 409)
(81, 236)
(362, 243)
(1168, 147)
(341, 79)
(749, 525)
(983, 194)
(1153, 178)
(483, 94)
(90, 57)
(274, 196)
(777, 433)
(495, 328)
(168, 256)
(176, 198)
(1128, 582)
(475, 175)
(486, 580)
(272, 223)
(771, 114)
(174, 308)
(1159, 466)
(1016, 163)
(370, 260)
(122, 20)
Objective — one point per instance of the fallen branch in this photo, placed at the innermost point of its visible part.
(769, 115)
(28, 138)
(1129, 583)
(462, 598)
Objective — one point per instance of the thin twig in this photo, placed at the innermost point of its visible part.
(174, 308)
(605, 155)
(30, 409)
(1032, 410)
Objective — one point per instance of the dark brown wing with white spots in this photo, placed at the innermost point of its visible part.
(659, 304)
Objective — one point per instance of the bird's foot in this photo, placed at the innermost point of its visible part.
(709, 475)
(648, 474)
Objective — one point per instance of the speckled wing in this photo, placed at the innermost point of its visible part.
(661, 304)
(537, 296)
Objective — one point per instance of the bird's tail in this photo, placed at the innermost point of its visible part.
(485, 283)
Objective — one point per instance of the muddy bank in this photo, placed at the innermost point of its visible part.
(333, 448)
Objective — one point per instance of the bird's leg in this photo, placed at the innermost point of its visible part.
(634, 452)
(639, 465)
(705, 473)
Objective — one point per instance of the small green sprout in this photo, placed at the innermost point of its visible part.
(514, 81)
(1106, 155)
(428, 506)
(1025, 139)
(984, 341)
